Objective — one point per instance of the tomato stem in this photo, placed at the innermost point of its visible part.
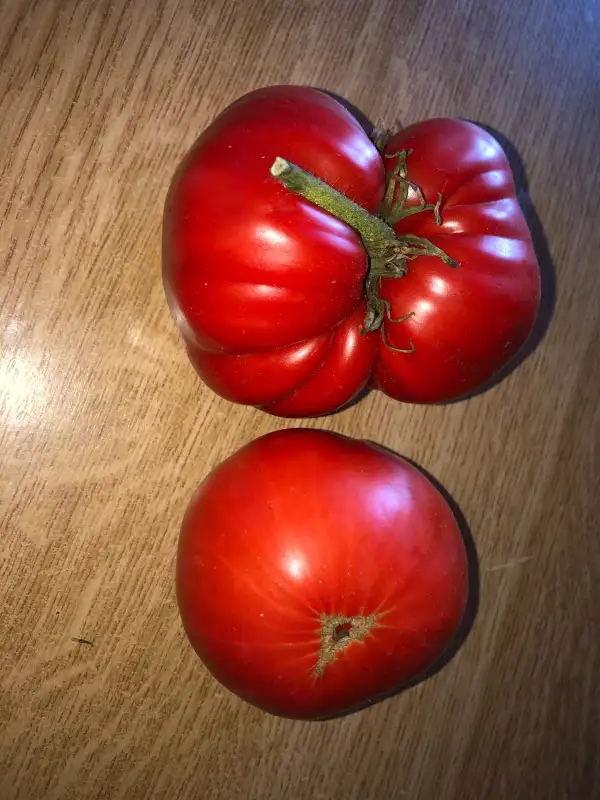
(373, 230)
(388, 253)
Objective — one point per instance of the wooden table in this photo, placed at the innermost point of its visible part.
(105, 430)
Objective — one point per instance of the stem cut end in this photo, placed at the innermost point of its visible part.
(279, 167)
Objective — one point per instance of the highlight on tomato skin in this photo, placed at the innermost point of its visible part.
(302, 263)
(316, 573)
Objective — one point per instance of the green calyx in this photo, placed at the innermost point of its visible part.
(388, 253)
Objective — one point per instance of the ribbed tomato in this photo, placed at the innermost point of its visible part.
(291, 291)
(267, 289)
(317, 573)
(466, 322)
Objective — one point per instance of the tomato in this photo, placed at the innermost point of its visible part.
(467, 322)
(285, 285)
(317, 573)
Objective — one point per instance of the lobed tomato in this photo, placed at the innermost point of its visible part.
(467, 322)
(317, 573)
(284, 305)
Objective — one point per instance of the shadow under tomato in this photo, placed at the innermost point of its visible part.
(471, 608)
(364, 122)
(361, 118)
(351, 403)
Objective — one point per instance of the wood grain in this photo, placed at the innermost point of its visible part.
(105, 430)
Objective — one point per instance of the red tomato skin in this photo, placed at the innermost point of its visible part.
(309, 378)
(468, 322)
(247, 265)
(302, 523)
(342, 374)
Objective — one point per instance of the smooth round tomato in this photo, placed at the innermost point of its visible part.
(285, 305)
(317, 573)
